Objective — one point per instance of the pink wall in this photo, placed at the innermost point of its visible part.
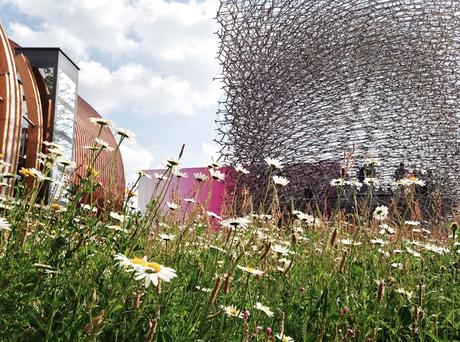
(186, 188)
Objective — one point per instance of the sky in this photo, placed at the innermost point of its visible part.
(147, 65)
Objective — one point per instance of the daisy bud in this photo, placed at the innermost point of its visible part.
(421, 292)
(333, 238)
(137, 300)
(152, 330)
(267, 249)
(92, 327)
(268, 330)
(259, 329)
(302, 289)
(380, 291)
(454, 227)
(342, 262)
(246, 314)
(30, 331)
(93, 295)
(344, 311)
(281, 327)
(419, 312)
(215, 290)
(228, 281)
(391, 281)
(159, 287)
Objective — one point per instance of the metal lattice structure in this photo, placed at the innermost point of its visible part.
(307, 80)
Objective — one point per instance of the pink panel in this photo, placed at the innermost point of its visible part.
(210, 193)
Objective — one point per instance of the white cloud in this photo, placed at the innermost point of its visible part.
(50, 36)
(138, 59)
(100, 24)
(139, 89)
(210, 151)
(164, 51)
(135, 158)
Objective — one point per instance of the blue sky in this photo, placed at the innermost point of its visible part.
(147, 65)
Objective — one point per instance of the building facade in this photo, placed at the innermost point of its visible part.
(39, 102)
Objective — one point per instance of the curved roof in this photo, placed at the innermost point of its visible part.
(111, 176)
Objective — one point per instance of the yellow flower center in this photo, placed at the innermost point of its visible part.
(92, 171)
(250, 269)
(234, 312)
(26, 172)
(55, 206)
(143, 263)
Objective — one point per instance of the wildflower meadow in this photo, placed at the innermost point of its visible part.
(76, 270)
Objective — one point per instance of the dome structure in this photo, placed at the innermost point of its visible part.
(309, 82)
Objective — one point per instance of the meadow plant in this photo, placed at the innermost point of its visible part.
(72, 271)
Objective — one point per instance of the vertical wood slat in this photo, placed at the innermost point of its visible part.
(112, 179)
(34, 110)
(10, 108)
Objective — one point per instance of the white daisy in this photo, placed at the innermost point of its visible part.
(397, 265)
(214, 164)
(236, 222)
(232, 311)
(250, 270)
(337, 182)
(348, 242)
(372, 161)
(179, 173)
(172, 163)
(124, 133)
(281, 181)
(404, 292)
(118, 217)
(278, 249)
(166, 237)
(143, 174)
(161, 177)
(172, 206)
(217, 175)
(264, 308)
(4, 225)
(412, 223)
(371, 181)
(101, 121)
(66, 163)
(378, 242)
(204, 289)
(103, 144)
(200, 177)
(354, 183)
(274, 163)
(213, 215)
(386, 229)
(381, 212)
(241, 169)
(149, 271)
(413, 252)
(284, 338)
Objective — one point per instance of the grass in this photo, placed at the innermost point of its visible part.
(334, 278)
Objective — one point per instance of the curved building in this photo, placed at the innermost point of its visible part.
(309, 81)
(39, 102)
(111, 176)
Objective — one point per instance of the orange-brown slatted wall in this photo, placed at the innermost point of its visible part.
(111, 177)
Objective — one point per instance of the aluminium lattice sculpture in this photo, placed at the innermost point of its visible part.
(307, 80)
